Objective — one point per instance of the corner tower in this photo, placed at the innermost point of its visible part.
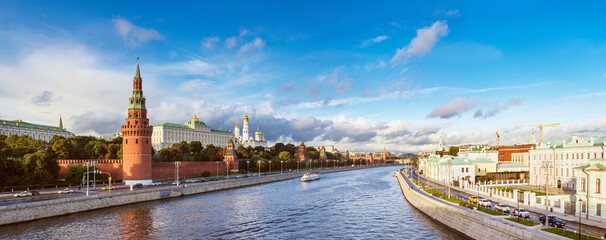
(136, 141)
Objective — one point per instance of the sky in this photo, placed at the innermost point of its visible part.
(358, 75)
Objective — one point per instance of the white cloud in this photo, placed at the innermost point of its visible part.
(196, 85)
(452, 13)
(454, 108)
(257, 43)
(422, 44)
(371, 41)
(230, 42)
(210, 42)
(134, 35)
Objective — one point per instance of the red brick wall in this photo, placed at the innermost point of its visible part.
(506, 151)
(113, 166)
(160, 170)
(166, 170)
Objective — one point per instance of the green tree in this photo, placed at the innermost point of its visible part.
(22, 145)
(285, 156)
(415, 161)
(40, 168)
(63, 148)
(76, 173)
(290, 148)
(112, 151)
(313, 154)
(453, 151)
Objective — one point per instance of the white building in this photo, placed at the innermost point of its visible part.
(438, 168)
(590, 179)
(247, 140)
(167, 134)
(561, 157)
(35, 131)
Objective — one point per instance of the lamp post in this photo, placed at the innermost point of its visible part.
(259, 163)
(247, 166)
(87, 164)
(449, 178)
(282, 167)
(94, 175)
(546, 164)
(177, 165)
(227, 170)
(269, 166)
(298, 165)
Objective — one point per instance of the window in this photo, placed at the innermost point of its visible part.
(598, 185)
(598, 209)
(126, 141)
(136, 141)
(462, 169)
(582, 185)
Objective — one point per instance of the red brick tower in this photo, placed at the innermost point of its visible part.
(136, 142)
(231, 156)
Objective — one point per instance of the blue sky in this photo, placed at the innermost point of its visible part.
(356, 75)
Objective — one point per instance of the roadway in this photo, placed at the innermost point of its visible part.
(534, 216)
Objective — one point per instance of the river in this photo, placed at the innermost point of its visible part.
(361, 204)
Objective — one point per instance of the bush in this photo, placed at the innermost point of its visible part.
(206, 174)
(242, 171)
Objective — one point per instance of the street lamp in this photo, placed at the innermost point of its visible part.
(269, 166)
(177, 165)
(546, 164)
(282, 167)
(217, 173)
(247, 167)
(298, 165)
(449, 178)
(227, 170)
(259, 163)
(94, 175)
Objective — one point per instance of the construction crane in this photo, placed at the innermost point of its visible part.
(540, 126)
(498, 138)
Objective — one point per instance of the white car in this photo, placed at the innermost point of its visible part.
(502, 208)
(65, 191)
(522, 212)
(23, 194)
(484, 203)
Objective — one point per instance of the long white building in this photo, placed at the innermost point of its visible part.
(561, 157)
(590, 179)
(166, 134)
(35, 131)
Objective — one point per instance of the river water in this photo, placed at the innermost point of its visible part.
(361, 204)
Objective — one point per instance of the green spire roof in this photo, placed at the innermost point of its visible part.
(60, 122)
(137, 74)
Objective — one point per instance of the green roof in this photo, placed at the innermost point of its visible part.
(455, 160)
(181, 126)
(600, 166)
(511, 165)
(19, 123)
(482, 160)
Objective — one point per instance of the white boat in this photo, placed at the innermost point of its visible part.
(310, 177)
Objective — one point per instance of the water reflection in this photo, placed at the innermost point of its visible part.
(363, 204)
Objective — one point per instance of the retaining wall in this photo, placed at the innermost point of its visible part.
(35, 210)
(465, 221)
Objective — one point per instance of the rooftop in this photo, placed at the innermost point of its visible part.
(22, 124)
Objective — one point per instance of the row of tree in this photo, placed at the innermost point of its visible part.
(24, 160)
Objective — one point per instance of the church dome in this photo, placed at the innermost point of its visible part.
(245, 117)
(258, 132)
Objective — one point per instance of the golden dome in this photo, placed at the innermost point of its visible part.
(258, 132)
(195, 118)
(245, 117)
(237, 126)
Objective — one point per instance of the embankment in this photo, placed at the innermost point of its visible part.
(464, 221)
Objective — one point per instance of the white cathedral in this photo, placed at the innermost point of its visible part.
(247, 140)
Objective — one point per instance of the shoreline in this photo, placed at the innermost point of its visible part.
(25, 212)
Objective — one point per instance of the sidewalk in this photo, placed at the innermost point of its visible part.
(566, 217)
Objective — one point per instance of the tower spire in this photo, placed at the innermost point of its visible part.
(60, 122)
(137, 73)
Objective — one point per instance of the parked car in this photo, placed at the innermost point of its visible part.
(34, 193)
(23, 194)
(202, 180)
(212, 179)
(191, 181)
(65, 191)
(108, 188)
(484, 203)
(503, 208)
(157, 183)
(473, 199)
(138, 185)
(522, 212)
(553, 221)
(238, 176)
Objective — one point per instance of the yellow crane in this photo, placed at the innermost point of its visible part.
(498, 138)
(540, 126)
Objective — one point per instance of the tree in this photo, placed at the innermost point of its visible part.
(290, 148)
(285, 156)
(22, 145)
(112, 151)
(195, 147)
(453, 151)
(415, 161)
(76, 172)
(313, 154)
(62, 148)
(40, 168)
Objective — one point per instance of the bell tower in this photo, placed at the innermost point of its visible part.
(136, 141)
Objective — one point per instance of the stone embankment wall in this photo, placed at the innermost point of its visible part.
(463, 220)
(35, 210)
